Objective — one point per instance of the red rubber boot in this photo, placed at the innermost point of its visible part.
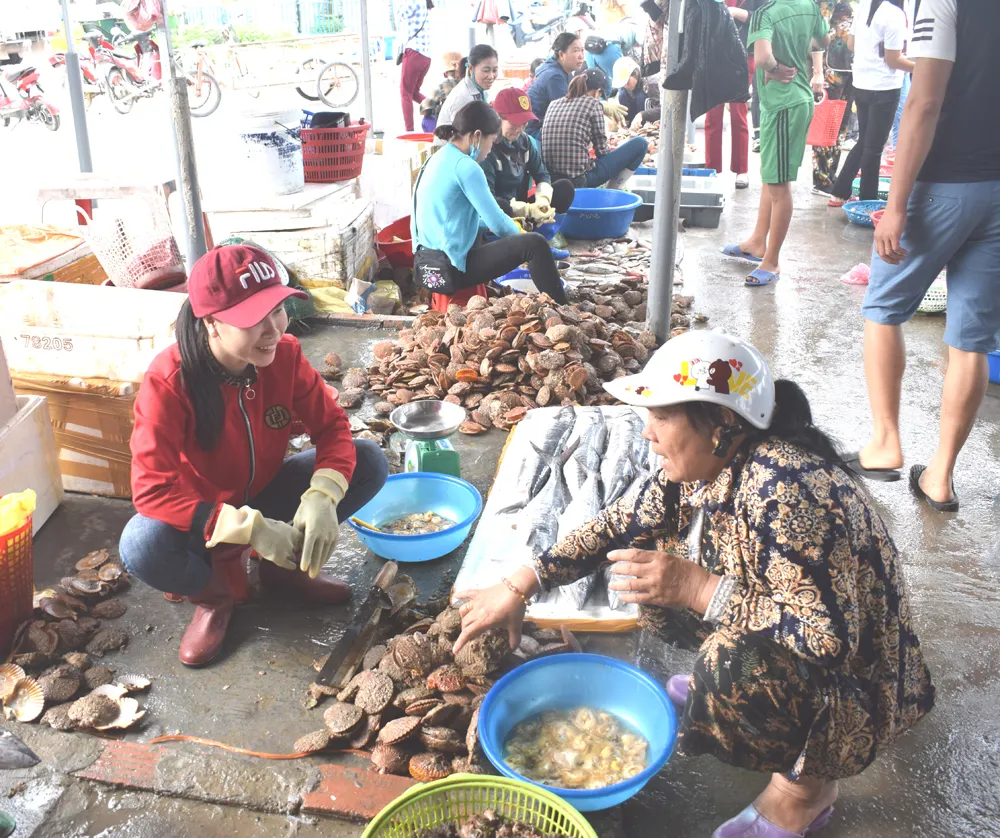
(323, 590)
(214, 605)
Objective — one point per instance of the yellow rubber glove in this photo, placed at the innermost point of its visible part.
(614, 111)
(541, 215)
(274, 541)
(316, 519)
(543, 196)
(519, 209)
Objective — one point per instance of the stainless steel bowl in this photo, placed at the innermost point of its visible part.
(428, 419)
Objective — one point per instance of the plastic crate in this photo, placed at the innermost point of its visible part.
(883, 187)
(702, 209)
(993, 358)
(330, 155)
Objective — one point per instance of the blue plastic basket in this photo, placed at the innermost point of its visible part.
(699, 172)
(600, 214)
(581, 680)
(993, 358)
(860, 212)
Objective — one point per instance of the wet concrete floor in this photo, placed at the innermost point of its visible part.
(942, 779)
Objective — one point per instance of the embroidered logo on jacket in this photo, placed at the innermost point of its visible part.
(277, 417)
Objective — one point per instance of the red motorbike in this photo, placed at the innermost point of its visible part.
(124, 76)
(93, 79)
(26, 102)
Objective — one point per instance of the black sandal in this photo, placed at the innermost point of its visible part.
(940, 506)
(882, 475)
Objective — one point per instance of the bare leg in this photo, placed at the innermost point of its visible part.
(757, 243)
(794, 806)
(885, 361)
(964, 388)
(781, 218)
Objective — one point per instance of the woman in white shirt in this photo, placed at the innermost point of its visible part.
(877, 39)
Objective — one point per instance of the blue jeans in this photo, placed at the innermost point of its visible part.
(629, 156)
(159, 555)
(954, 226)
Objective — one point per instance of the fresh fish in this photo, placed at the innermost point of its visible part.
(543, 511)
(618, 466)
(584, 507)
(574, 595)
(534, 470)
(592, 432)
(614, 597)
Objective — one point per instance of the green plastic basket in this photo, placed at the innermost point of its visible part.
(883, 187)
(463, 795)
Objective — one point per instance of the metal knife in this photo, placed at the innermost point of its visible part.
(348, 652)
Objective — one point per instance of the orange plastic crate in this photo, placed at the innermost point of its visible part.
(17, 571)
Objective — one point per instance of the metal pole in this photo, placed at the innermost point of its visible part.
(75, 80)
(366, 62)
(669, 161)
(187, 169)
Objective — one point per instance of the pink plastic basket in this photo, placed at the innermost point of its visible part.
(825, 126)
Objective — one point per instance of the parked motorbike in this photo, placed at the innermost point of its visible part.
(91, 77)
(122, 76)
(537, 23)
(25, 102)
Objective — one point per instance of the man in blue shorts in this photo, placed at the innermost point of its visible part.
(943, 212)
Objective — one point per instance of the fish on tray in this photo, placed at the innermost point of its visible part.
(622, 460)
(592, 432)
(545, 508)
(534, 471)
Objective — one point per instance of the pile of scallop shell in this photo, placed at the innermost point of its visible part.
(485, 824)
(53, 668)
(414, 705)
(500, 358)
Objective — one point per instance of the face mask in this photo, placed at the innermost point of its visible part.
(474, 150)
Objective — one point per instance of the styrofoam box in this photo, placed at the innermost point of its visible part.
(89, 331)
(28, 458)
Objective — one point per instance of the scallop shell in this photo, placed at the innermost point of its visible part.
(312, 742)
(25, 701)
(10, 674)
(110, 572)
(133, 683)
(110, 609)
(375, 693)
(128, 714)
(112, 691)
(88, 587)
(94, 709)
(92, 560)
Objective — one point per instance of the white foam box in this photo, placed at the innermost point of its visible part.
(28, 458)
(87, 331)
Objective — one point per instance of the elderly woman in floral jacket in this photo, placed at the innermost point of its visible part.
(753, 541)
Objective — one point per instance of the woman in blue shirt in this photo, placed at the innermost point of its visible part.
(452, 204)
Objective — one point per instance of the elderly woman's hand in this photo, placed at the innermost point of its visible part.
(501, 606)
(662, 579)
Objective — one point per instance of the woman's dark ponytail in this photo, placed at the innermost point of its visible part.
(793, 423)
(200, 381)
(445, 132)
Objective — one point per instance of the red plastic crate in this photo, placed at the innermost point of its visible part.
(17, 569)
(330, 155)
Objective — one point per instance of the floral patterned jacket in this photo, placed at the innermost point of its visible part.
(806, 563)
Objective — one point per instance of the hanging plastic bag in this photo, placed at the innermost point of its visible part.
(141, 15)
(15, 509)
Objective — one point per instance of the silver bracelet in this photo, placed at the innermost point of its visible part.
(720, 599)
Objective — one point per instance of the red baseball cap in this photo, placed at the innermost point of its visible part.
(238, 285)
(514, 106)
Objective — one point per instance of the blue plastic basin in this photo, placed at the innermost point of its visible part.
(600, 214)
(993, 358)
(575, 680)
(419, 491)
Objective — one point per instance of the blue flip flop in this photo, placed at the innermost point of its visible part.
(760, 277)
(733, 251)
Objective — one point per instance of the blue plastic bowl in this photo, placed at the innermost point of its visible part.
(548, 231)
(600, 214)
(993, 358)
(419, 491)
(575, 680)
(519, 281)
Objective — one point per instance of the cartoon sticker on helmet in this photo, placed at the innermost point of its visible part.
(723, 376)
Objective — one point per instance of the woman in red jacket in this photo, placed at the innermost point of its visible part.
(209, 476)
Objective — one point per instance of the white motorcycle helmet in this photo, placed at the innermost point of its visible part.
(703, 366)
